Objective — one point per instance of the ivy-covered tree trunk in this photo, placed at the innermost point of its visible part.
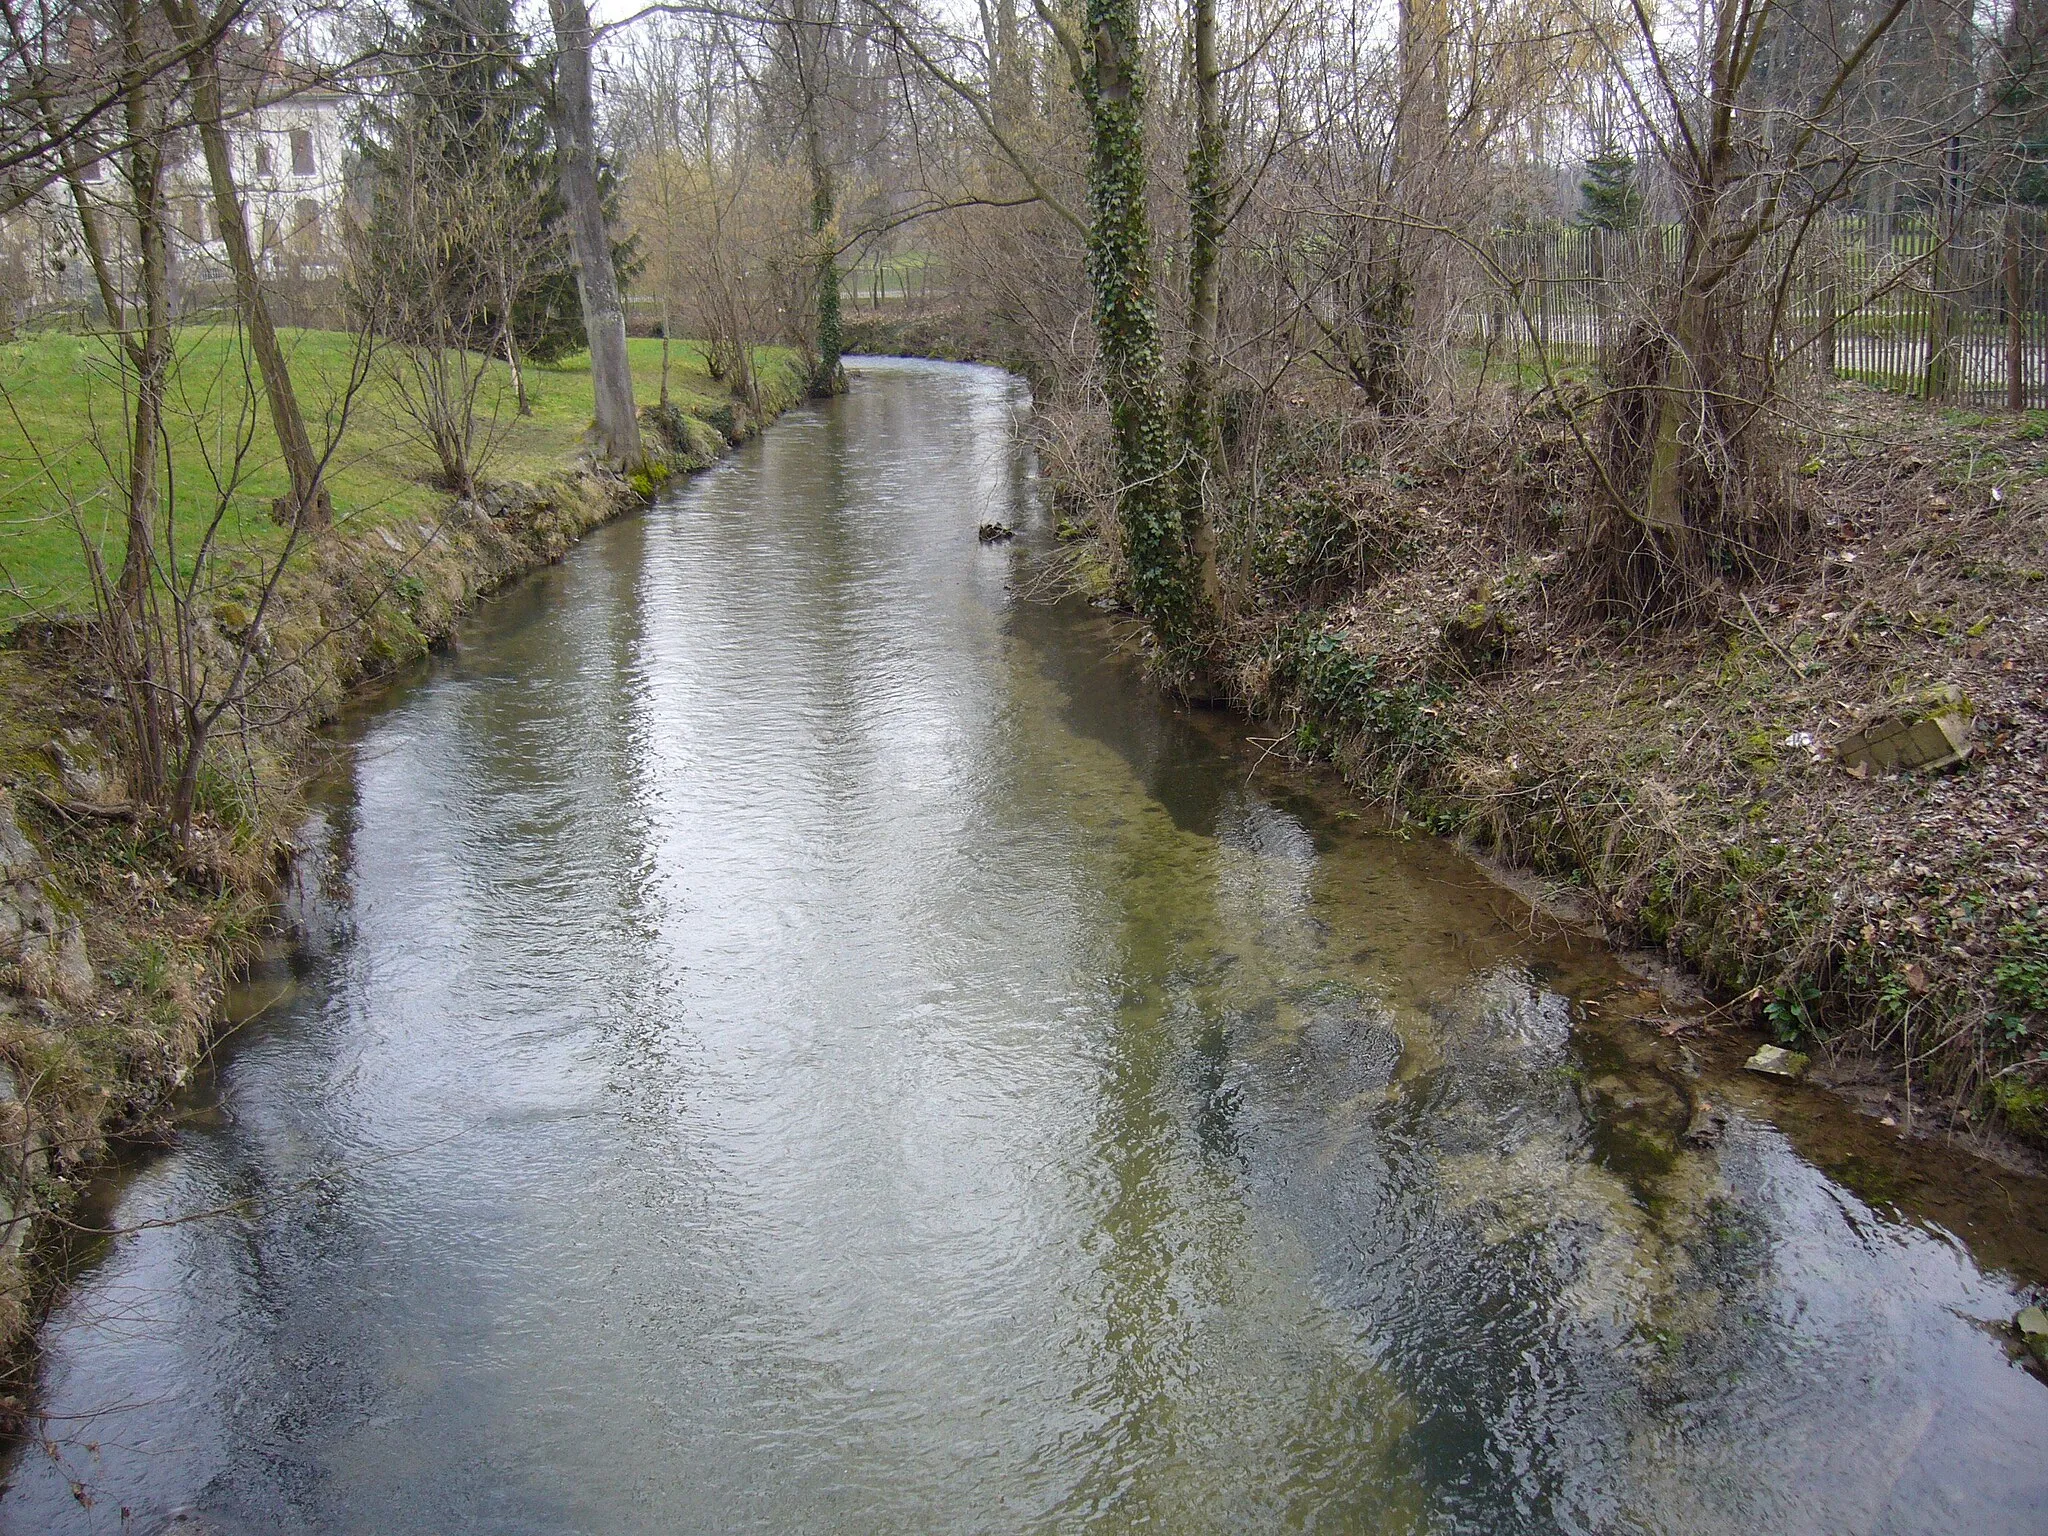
(807, 44)
(1205, 237)
(1155, 544)
(830, 377)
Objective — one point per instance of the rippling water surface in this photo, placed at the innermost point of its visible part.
(786, 1034)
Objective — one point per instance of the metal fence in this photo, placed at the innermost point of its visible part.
(909, 282)
(1956, 314)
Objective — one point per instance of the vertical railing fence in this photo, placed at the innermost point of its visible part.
(1956, 315)
(901, 282)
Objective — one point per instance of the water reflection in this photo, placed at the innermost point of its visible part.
(788, 1037)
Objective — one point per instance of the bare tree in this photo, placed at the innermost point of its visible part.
(1694, 478)
(178, 667)
(194, 649)
(726, 223)
(61, 104)
(202, 34)
(418, 265)
(604, 311)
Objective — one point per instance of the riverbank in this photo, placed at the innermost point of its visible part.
(1407, 604)
(1419, 618)
(117, 945)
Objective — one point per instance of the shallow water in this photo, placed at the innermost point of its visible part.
(787, 1034)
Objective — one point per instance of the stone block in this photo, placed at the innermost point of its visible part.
(1776, 1061)
(1930, 732)
(2032, 1324)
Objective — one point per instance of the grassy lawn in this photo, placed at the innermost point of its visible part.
(61, 415)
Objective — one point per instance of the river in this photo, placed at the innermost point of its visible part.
(785, 1031)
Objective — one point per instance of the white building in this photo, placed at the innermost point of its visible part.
(289, 157)
(288, 135)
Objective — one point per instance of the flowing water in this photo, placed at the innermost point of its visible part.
(785, 1032)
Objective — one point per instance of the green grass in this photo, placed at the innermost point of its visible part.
(1510, 364)
(61, 426)
(899, 274)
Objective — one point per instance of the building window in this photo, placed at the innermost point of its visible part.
(308, 224)
(262, 158)
(302, 152)
(90, 171)
(195, 221)
(270, 233)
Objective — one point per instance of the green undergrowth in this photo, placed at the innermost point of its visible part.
(1337, 695)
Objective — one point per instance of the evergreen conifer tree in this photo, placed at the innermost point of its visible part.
(1608, 196)
(468, 128)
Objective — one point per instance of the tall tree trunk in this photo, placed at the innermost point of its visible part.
(1703, 175)
(1409, 302)
(150, 349)
(1680, 382)
(666, 326)
(1205, 235)
(597, 282)
(1155, 545)
(830, 377)
(1010, 68)
(808, 48)
(309, 502)
(1938, 375)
